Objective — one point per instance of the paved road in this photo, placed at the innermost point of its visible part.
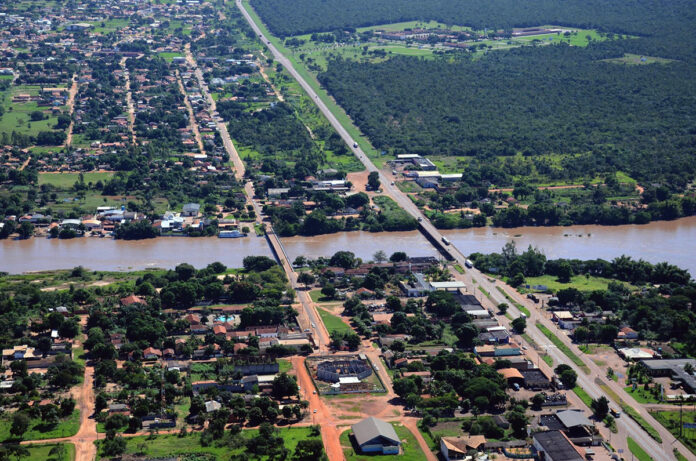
(656, 450)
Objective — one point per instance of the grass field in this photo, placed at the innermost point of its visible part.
(670, 420)
(563, 348)
(637, 60)
(584, 396)
(641, 395)
(171, 445)
(317, 297)
(17, 115)
(579, 282)
(332, 322)
(284, 365)
(43, 452)
(637, 450)
(410, 449)
(66, 180)
(169, 56)
(38, 430)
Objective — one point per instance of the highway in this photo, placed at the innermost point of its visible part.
(625, 424)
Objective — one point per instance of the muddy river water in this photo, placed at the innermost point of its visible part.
(672, 241)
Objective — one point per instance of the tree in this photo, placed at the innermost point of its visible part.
(519, 324)
(564, 272)
(309, 450)
(20, 424)
(344, 259)
(404, 387)
(373, 182)
(398, 256)
(284, 386)
(518, 422)
(600, 407)
(305, 278)
(25, 230)
(502, 308)
(567, 376)
(329, 290)
(538, 400)
(441, 303)
(379, 256)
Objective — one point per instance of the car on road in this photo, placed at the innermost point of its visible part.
(420, 219)
(314, 392)
(355, 144)
(315, 410)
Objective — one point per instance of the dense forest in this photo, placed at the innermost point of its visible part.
(663, 22)
(538, 101)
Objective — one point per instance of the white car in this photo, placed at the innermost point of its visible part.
(315, 410)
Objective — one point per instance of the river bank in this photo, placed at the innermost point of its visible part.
(671, 241)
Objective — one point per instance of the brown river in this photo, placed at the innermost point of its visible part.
(671, 241)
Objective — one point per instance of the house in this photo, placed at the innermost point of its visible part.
(132, 299)
(627, 333)
(212, 406)
(416, 288)
(118, 408)
(555, 446)
(512, 376)
(151, 353)
(191, 209)
(374, 435)
(457, 447)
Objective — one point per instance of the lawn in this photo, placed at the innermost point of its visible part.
(66, 180)
(171, 445)
(584, 396)
(284, 365)
(637, 450)
(670, 420)
(39, 431)
(410, 449)
(169, 56)
(519, 306)
(563, 348)
(317, 297)
(579, 282)
(641, 395)
(43, 451)
(333, 323)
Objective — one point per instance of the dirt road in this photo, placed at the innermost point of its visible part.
(192, 117)
(71, 108)
(129, 100)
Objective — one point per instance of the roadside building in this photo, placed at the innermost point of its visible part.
(374, 435)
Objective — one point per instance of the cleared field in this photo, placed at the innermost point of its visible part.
(332, 322)
(579, 282)
(66, 180)
(17, 116)
(170, 445)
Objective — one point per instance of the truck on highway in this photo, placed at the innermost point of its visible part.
(445, 240)
(468, 263)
